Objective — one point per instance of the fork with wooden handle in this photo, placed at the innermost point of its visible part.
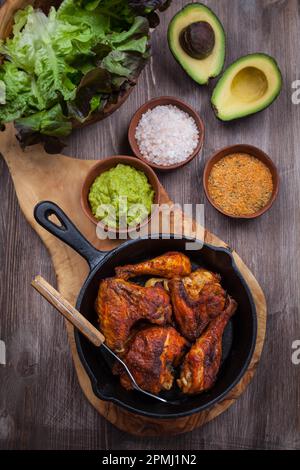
(84, 326)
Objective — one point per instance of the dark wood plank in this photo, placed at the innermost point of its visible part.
(41, 403)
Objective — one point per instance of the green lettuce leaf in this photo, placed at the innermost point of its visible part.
(20, 93)
(124, 64)
(49, 122)
(45, 126)
(138, 31)
(67, 65)
(91, 91)
(94, 25)
(129, 50)
(118, 12)
(44, 47)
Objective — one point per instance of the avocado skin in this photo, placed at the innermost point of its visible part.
(171, 25)
(262, 108)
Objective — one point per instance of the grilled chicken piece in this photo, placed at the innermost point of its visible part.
(120, 304)
(196, 299)
(150, 358)
(201, 364)
(169, 265)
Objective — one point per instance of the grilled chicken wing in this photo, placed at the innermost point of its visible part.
(169, 265)
(151, 356)
(201, 364)
(120, 304)
(196, 299)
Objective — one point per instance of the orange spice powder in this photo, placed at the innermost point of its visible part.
(240, 184)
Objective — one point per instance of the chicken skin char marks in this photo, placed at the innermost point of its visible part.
(202, 363)
(151, 356)
(120, 304)
(167, 266)
(189, 310)
(196, 299)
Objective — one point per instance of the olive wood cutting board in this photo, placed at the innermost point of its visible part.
(39, 176)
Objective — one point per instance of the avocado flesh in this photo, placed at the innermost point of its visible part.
(200, 70)
(248, 86)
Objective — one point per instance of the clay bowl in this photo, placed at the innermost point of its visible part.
(107, 164)
(163, 101)
(255, 152)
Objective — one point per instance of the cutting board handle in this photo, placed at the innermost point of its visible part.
(66, 231)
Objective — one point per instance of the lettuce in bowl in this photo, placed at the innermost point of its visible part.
(62, 68)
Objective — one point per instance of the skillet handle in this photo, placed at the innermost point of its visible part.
(67, 232)
(68, 311)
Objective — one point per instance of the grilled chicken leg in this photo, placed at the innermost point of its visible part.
(169, 265)
(120, 304)
(196, 299)
(151, 356)
(201, 364)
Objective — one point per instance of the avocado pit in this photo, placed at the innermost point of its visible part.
(198, 40)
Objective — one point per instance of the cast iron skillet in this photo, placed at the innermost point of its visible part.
(239, 337)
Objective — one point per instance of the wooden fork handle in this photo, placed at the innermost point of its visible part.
(68, 311)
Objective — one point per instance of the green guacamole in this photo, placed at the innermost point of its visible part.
(121, 197)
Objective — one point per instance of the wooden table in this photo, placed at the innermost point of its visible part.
(41, 403)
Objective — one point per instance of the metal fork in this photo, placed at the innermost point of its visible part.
(85, 327)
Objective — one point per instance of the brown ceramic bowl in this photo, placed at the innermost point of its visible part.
(107, 164)
(163, 101)
(255, 152)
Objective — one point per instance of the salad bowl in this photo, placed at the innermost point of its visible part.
(94, 76)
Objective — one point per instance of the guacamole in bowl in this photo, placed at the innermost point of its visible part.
(121, 197)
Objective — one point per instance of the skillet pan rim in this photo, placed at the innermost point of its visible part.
(106, 397)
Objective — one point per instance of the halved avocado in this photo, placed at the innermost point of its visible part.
(248, 86)
(198, 22)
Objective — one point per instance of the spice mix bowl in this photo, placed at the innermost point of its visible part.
(181, 106)
(269, 177)
(104, 165)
